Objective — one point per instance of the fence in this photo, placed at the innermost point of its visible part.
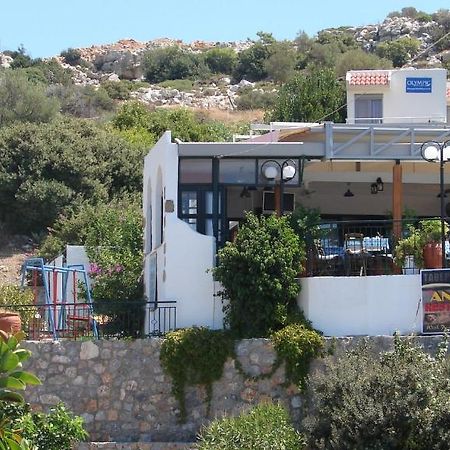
(106, 319)
(362, 247)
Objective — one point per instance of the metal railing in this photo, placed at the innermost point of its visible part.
(107, 319)
(358, 247)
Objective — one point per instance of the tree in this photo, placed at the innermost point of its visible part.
(251, 62)
(46, 168)
(23, 100)
(172, 63)
(280, 65)
(399, 51)
(358, 59)
(221, 60)
(184, 124)
(257, 273)
(71, 56)
(310, 97)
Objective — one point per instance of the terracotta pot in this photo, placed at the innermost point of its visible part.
(432, 255)
(10, 322)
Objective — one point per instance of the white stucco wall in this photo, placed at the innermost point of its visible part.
(376, 305)
(400, 106)
(184, 256)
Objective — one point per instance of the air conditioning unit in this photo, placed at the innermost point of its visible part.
(269, 202)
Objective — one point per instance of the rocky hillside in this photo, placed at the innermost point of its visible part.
(123, 60)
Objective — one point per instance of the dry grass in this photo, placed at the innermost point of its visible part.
(234, 116)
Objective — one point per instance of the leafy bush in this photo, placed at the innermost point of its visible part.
(257, 273)
(45, 168)
(193, 356)
(250, 98)
(172, 63)
(221, 60)
(314, 96)
(184, 124)
(251, 61)
(12, 295)
(184, 85)
(83, 101)
(114, 246)
(23, 100)
(265, 427)
(57, 430)
(399, 51)
(71, 56)
(13, 379)
(358, 59)
(398, 400)
(298, 345)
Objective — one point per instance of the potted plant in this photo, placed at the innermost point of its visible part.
(408, 252)
(430, 232)
(16, 308)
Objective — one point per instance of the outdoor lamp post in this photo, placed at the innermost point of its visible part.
(433, 151)
(283, 172)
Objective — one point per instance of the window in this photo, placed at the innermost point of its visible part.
(196, 209)
(369, 108)
(195, 170)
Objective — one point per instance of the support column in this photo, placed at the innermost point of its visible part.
(397, 200)
(278, 192)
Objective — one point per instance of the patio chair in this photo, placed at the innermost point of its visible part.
(355, 255)
(325, 264)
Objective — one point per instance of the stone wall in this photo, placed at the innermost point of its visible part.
(123, 394)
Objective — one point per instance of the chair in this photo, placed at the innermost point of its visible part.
(324, 264)
(355, 255)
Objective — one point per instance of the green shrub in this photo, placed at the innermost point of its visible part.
(23, 100)
(399, 51)
(57, 430)
(221, 60)
(255, 99)
(173, 63)
(312, 96)
(185, 85)
(265, 427)
(14, 295)
(258, 273)
(195, 356)
(398, 400)
(71, 56)
(119, 90)
(298, 345)
(47, 168)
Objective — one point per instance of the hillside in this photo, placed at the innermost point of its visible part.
(410, 38)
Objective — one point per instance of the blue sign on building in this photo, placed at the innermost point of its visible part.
(418, 85)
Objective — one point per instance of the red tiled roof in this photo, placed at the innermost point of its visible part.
(371, 78)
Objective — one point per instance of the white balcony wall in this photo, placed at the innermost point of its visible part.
(377, 305)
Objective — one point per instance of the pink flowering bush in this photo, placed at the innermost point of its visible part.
(114, 247)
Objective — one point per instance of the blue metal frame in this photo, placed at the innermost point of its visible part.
(37, 264)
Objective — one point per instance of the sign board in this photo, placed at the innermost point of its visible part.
(418, 85)
(435, 300)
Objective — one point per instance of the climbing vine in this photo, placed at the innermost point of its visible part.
(298, 345)
(195, 356)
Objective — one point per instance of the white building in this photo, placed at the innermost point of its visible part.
(196, 193)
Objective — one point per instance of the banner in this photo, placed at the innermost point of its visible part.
(435, 300)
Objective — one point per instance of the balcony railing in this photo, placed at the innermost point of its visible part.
(102, 319)
(357, 248)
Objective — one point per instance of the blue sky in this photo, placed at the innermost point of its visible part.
(45, 27)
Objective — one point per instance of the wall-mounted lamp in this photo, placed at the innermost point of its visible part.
(380, 184)
(374, 188)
